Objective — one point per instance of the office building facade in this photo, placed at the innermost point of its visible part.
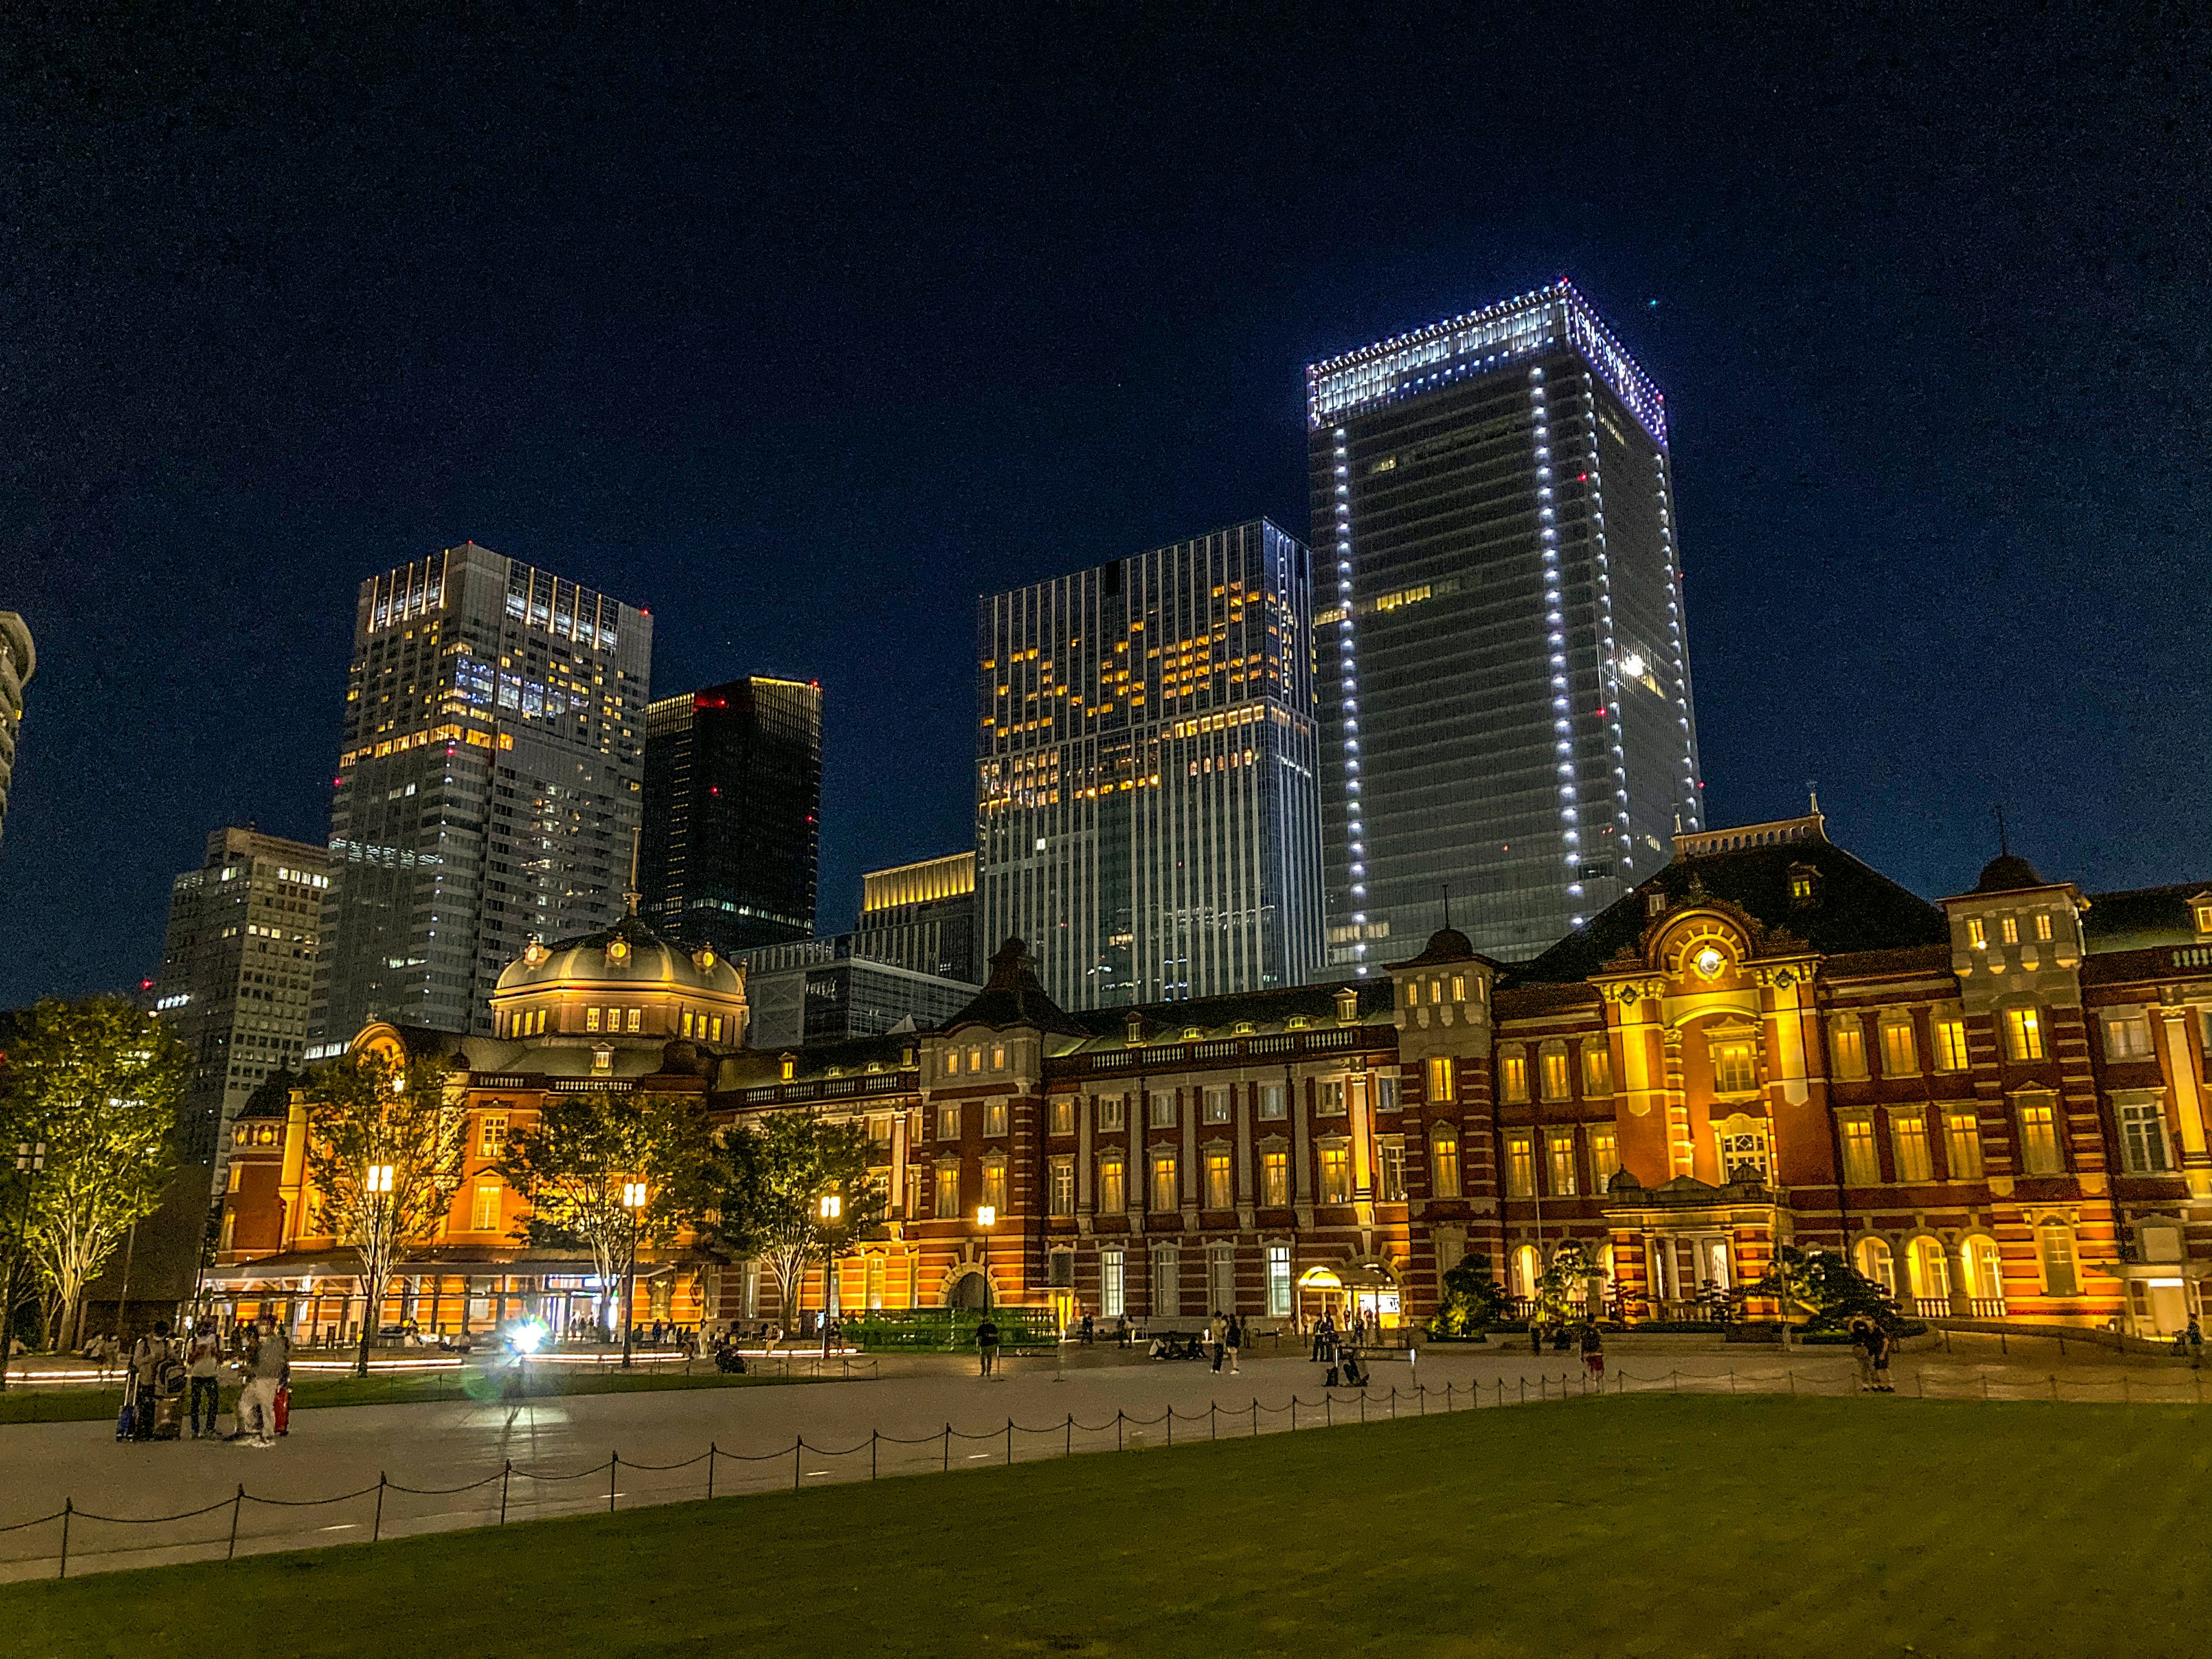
(1147, 807)
(237, 978)
(488, 790)
(828, 990)
(1504, 679)
(921, 917)
(733, 804)
(18, 662)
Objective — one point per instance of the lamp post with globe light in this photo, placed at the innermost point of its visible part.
(634, 1199)
(987, 1217)
(832, 1209)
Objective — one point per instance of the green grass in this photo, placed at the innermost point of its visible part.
(80, 1405)
(1652, 1525)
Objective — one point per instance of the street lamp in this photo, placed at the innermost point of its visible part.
(833, 1207)
(634, 1200)
(30, 1158)
(987, 1217)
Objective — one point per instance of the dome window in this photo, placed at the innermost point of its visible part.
(534, 953)
(603, 1058)
(618, 950)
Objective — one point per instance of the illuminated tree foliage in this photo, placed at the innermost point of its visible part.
(769, 1181)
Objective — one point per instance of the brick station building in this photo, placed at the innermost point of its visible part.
(1994, 1104)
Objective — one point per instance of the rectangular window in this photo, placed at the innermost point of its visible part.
(1164, 1181)
(1950, 1044)
(1332, 1099)
(1560, 1164)
(1272, 1097)
(2011, 927)
(591, 1019)
(1279, 1281)
(948, 1123)
(1216, 1106)
(1900, 1055)
(491, 1137)
(1733, 1070)
(2023, 1034)
(2142, 1138)
(975, 1060)
(1112, 1286)
(1164, 1110)
(951, 1060)
(1908, 1134)
(634, 1019)
(1275, 1177)
(1220, 1188)
(1113, 1193)
(947, 1192)
(999, 1058)
(2038, 1137)
(2054, 1246)
(2127, 1037)
(1385, 1091)
(1063, 1114)
(1459, 988)
(1113, 1114)
(1444, 1085)
(1336, 1175)
(1962, 1145)
(1555, 1073)
(1847, 1043)
(1512, 1079)
(1978, 933)
(483, 1213)
(1444, 1163)
(1605, 1155)
(1861, 1167)
(1390, 1172)
(1520, 1164)
(994, 1117)
(1597, 1069)
(2043, 923)
(995, 1183)
(1221, 1277)
(1167, 1282)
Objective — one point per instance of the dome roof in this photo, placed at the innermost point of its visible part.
(2007, 873)
(628, 956)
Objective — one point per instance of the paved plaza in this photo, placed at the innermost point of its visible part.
(560, 1447)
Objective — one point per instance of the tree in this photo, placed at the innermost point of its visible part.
(1824, 1285)
(1474, 1300)
(384, 1151)
(572, 1165)
(1563, 1290)
(97, 1081)
(769, 1181)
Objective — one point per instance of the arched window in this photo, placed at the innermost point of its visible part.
(1930, 1273)
(1875, 1262)
(1527, 1269)
(1985, 1270)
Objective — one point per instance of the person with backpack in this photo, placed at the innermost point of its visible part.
(1592, 1350)
(1233, 1339)
(202, 1369)
(986, 1345)
(147, 1354)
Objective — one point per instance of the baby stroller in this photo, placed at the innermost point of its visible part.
(168, 1399)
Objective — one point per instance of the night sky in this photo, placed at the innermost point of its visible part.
(803, 336)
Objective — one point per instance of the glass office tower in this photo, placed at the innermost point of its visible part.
(732, 800)
(1147, 815)
(1505, 683)
(488, 790)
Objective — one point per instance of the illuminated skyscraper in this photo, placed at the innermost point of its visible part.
(732, 800)
(488, 790)
(1146, 813)
(1505, 681)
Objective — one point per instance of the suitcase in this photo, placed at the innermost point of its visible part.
(124, 1423)
(284, 1408)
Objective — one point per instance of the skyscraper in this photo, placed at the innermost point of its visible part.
(1146, 813)
(921, 916)
(1504, 684)
(488, 790)
(732, 800)
(18, 662)
(237, 975)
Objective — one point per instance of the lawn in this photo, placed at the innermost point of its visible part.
(81, 1404)
(1653, 1525)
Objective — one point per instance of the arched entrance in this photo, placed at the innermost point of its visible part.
(971, 1289)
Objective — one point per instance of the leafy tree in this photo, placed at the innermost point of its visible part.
(1472, 1301)
(769, 1181)
(1565, 1290)
(1823, 1285)
(385, 1150)
(573, 1163)
(97, 1081)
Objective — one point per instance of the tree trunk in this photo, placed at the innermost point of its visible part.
(371, 1317)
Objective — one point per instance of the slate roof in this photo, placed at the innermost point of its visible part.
(1013, 995)
(2138, 918)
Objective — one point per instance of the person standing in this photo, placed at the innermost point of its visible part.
(1216, 1338)
(146, 1357)
(1592, 1350)
(1862, 1348)
(1234, 1337)
(986, 1345)
(2195, 1344)
(1087, 1330)
(1884, 1345)
(266, 1362)
(202, 1369)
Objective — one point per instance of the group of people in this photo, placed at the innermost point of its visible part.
(1873, 1346)
(164, 1373)
(1361, 1329)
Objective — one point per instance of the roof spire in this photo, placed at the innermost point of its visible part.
(1447, 904)
(1813, 797)
(2004, 845)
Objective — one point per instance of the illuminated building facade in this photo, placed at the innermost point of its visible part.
(1505, 683)
(733, 804)
(1996, 1105)
(921, 917)
(488, 790)
(18, 662)
(237, 976)
(1147, 803)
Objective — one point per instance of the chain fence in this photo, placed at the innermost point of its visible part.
(386, 1511)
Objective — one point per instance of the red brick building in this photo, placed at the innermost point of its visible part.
(1994, 1104)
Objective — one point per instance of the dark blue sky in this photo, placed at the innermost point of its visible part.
(803, 335)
